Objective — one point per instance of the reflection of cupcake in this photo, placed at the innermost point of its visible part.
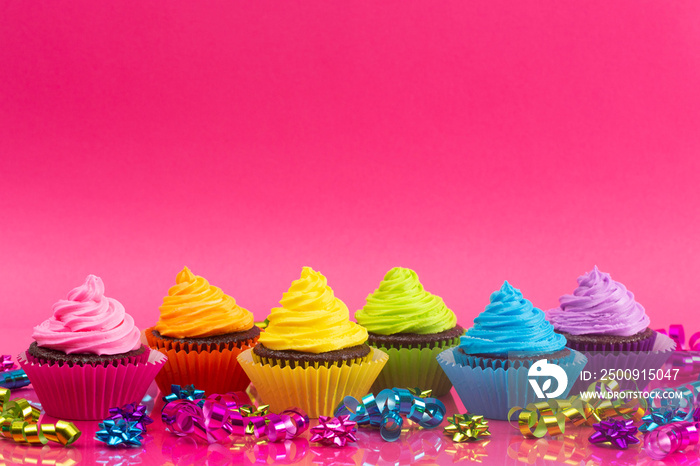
(490, 367)
(602, 315)
(88, 356)
(202, 331)
(602, 320)
(310, 354)
(412, 326)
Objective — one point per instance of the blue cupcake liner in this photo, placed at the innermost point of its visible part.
(505, 363)
(493, 392)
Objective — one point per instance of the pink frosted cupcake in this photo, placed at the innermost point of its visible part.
(88, 356)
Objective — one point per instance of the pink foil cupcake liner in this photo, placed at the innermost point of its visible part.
(87, 392)
(140, 359)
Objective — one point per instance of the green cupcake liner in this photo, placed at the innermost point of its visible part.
(415, 368)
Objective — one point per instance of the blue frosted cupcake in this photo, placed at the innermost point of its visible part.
(489, 369)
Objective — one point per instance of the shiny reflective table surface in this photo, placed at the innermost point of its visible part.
(415, 446)
(506, 446)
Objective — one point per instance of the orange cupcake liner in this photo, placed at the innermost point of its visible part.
(211, 370)
(316, 390)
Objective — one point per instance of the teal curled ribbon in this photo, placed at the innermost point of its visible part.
(387, 409)
(686, 400)
(14, 379)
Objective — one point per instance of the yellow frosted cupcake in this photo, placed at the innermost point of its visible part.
(310, 354)
(202, 331)
(413, 326)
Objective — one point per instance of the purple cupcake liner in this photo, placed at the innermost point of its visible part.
(601, 363)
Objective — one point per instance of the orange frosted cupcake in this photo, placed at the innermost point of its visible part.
(202, 331)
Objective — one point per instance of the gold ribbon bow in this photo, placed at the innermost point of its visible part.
(420, 393)
(467, 427)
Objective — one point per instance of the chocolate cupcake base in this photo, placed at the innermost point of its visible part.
(42, 355)
(414, 340)
(504, 361)
(642, 341)
(211, 343)
(345, 356)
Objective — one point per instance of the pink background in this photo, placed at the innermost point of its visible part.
(471, 141)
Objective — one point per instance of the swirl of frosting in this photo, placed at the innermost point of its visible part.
(311, 319)
(88, 322)
(196, 309)
(401, 305)
(510, 324)
(599, 305)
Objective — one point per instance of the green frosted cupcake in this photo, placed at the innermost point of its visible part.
(413, 326)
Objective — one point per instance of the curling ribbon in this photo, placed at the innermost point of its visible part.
(224, 415)
(14, 379)
(549, 417)
(670, 438)
(19, 422)
(685, 398)
(677, 333)
(385, 411)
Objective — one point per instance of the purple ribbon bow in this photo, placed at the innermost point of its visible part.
(131, 413)
(619, 433)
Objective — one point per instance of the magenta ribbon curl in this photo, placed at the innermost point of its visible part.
(671, 438)
(220, 418)
(677, 333)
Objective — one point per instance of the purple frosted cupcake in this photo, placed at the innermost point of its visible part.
(602, 315)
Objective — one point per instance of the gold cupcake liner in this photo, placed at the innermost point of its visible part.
(316, 390)
(214, 371)
(415, 368)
